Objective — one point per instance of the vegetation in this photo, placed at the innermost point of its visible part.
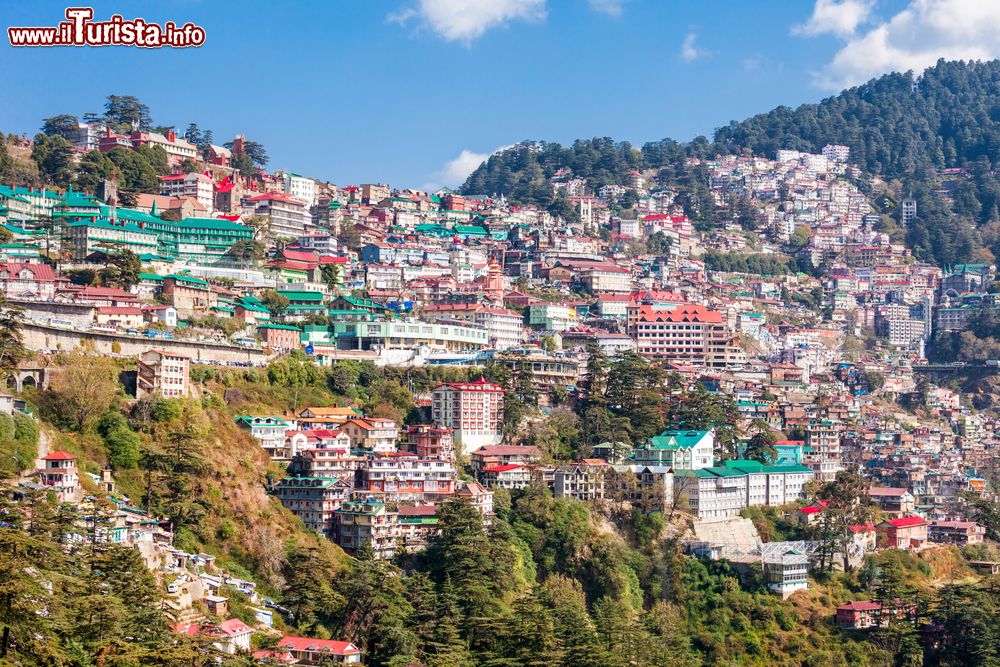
(902, 127)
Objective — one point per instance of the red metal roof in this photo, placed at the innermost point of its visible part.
(906, 522)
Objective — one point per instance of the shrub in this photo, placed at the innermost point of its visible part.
(6, 427)
(166, 409)
(25, 429)
(124, 448)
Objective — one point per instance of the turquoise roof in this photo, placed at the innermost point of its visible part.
(180, 277)
(283, 327)
(672, 440)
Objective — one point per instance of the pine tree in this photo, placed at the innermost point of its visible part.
(446, 647)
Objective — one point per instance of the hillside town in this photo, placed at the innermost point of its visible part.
(799, 313)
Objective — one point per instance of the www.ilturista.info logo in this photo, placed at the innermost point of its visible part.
(80, 30)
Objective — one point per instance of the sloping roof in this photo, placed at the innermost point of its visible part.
(321, 645)
(906, 522)
(673, 440)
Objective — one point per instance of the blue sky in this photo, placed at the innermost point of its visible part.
(415, 92)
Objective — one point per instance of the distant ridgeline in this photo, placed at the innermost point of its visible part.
(905, 128)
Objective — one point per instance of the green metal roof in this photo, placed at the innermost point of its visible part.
(673, 440)
(180, 277)
(283, 327)
(301, 295)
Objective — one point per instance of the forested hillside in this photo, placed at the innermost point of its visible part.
(902, 127)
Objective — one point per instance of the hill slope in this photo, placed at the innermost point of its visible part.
(900, 126)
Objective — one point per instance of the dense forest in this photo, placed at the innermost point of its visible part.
(901, 127)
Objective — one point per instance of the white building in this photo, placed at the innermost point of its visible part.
(787, 573)
(715, 494)
(473, 410)
(195, 185)
(288, 215)
(163, 374)
(299, 187)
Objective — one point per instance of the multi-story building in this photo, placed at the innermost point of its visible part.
(719, 493)
(478, 496)
(280, 336)
(473, 410)
(299, 187)
(579, 481)
(198, 240)
(547, 370)
(836, 153)
(163, 374)
(287, 214)
(177, 148)
(195, 185)
(680, 450)
(893, 500)
(490, 455)
(505, 327)
(314, 500)
(373, 193)
(688, 334)
(430, 442)
(187, 294)
(269, 432)
(372, 434)
(106, 237)
(787, 573)
(61, 475)
(606, 277)
(823, 440)
(510, 476)
(27, 279)
(905, 532)
(961, 533)
(327, 462)
(551, 316)
(407, 479)
(369, 334)
(368, 521)
(88, 136)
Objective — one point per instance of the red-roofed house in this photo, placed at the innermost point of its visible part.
(907, 532)
(690, 334)
(124, 317)
(961, 533)
(372, 434)
(895, 501)
(314, 651)
(510, 476)
(22, 279)
(60, 473)
(858, 615)
(288, 215)
(233, 634)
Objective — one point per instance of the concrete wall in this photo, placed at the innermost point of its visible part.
(80, 314)
(44, 337)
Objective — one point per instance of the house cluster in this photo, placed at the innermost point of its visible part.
(363, 480)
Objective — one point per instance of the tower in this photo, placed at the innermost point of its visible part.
(494, 282)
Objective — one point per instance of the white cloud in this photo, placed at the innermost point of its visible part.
(690, 52)
(609, 7)
(467, 20)
(915, 39)
(841, 18)
(454, 172)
